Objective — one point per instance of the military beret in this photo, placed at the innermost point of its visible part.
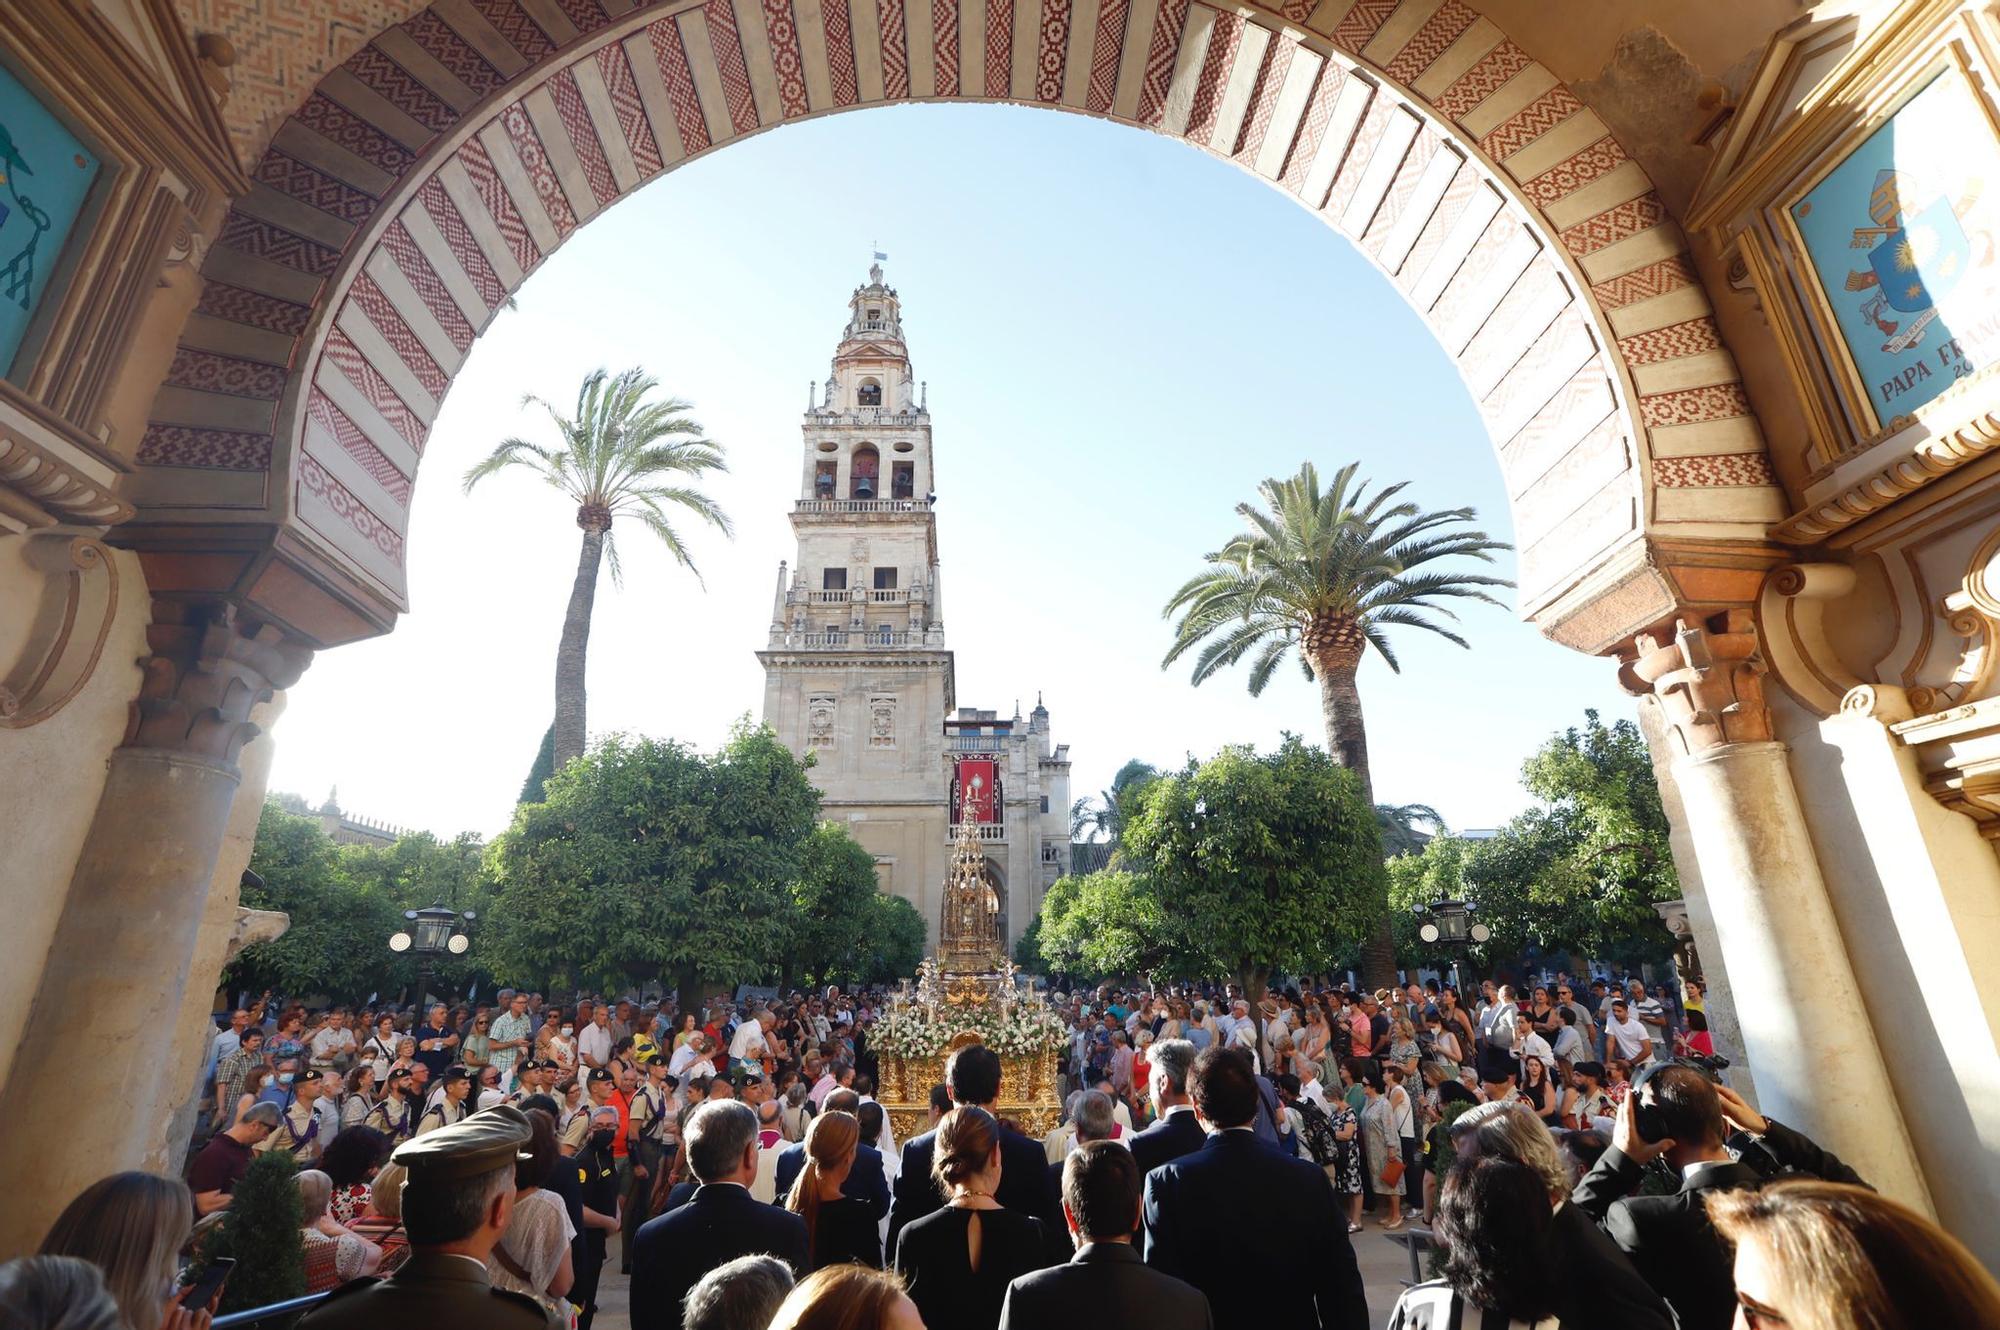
(484, 1143)
(456, 1074)
(655, 1060)
(600, 1074)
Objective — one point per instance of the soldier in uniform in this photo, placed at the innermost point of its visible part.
(456, 1201)
(602, 1084)
(597, 1172)
(298, 1132)
(645, 1146)
(451, 1106)
(393, 1114)
(534, 1079)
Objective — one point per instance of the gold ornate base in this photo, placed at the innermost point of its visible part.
(1030, 1092)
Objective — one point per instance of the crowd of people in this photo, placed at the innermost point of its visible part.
(1571, 1151)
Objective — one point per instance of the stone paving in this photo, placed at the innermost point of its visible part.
(1384, 1267)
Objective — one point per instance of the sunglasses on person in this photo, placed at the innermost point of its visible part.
(1757, 1316)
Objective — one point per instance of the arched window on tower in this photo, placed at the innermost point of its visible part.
(871, 393)
(863, 473)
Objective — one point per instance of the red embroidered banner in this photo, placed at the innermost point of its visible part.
(972, 792)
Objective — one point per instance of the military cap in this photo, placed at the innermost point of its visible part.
(530, 1064)
(483, 1143)
(599, 1074)
(655, 1060)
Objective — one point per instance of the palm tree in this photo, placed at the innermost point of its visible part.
(1330, 572)
(1105, 816)
(620, 456)
(1399, 827)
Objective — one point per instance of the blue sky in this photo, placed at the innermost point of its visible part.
(1122, 337)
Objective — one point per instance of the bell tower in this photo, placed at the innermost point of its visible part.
(856, 671)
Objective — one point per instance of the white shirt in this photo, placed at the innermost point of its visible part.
(595, 1044)
(1314, 1091)
(765, 1185)
(747, 1045)
(1627, 1036)
(1536, 1047)
(330, 1043)
(1569, 1044)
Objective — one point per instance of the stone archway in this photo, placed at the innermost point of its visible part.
(423, 179)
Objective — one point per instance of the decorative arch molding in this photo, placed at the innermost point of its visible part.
(425, 178)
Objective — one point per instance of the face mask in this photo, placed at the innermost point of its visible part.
(602, 1139)
(284, 1078)
(568, 1030)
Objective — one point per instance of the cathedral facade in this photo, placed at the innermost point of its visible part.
(857, 673)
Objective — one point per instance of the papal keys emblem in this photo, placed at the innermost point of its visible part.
(1915, 256)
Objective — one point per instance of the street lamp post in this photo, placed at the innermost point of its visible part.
(1451, 925)
(433, 932)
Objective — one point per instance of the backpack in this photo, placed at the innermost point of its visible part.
(1320, 1142)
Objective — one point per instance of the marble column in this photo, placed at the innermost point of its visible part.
(99, 1031)
(1804, 1020)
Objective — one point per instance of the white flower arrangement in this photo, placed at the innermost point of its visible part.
(919, 1023)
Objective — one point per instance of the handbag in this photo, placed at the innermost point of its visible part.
(1392, 1173)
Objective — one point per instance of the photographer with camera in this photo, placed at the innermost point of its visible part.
(1678, 1114)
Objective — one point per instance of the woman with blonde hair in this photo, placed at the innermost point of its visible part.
(840, 1229)
(334, 1253)
(959, 1260)
(1813, 1255)
(131, 1226)
(382, 1222)
(848, 1297)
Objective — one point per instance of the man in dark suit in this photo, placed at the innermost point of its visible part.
(1669, 1237)
(1174, 1132)
(719, 1223)
(1105, 1286)
(972, 1077)
(866, 1181)
(1198, 1210)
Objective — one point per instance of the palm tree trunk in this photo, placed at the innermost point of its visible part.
(574, 647)
(1347, 741)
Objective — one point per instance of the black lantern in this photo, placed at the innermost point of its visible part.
(433, 932)
(1451, 925)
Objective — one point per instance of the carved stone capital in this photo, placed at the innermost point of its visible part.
(209, 666)
(1709, 679)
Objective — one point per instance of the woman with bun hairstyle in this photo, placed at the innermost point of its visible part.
(958, 1261)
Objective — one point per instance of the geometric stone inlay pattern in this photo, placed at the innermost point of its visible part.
(1466, 258)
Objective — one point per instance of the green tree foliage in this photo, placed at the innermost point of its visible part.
(1028, 946)
(541, 769)
(894, 939)
(648, 859)
(1259, 862)
(1329, 572)
(260, 1232)
(420, 870)
(337, 941)
(1400, 834)
(1097, 925)
(1579, 872)
(1104, 817)
(831, 907)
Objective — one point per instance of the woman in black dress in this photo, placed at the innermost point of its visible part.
(959, 1260)
(839, 1229)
